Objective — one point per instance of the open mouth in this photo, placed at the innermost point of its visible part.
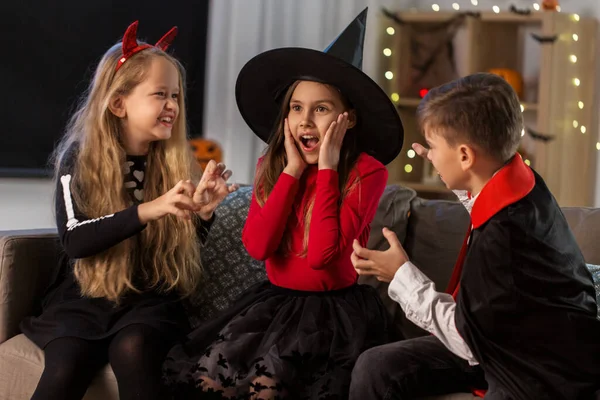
(166, 121)
(309, 142)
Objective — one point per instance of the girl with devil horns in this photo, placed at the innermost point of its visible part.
(330, 129)
(129, 227)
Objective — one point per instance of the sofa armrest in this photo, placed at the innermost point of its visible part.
(28, 259)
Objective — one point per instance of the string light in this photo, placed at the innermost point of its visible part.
(395, 97)
(390, 31)
(576, 17)
(573, 58)
(411, 153)
(474, 2)
(575, 37)
(580, 104)
(598, 146)
(408, 168)
(435, 7)
(496, 9)
(583, 129)
(389, 75)
(522, 108)
(575, 123)
(455, 6)
(576, 82)
(387, 52)
(522, 132)
(536, 6)
(527, 162)
(558, 8)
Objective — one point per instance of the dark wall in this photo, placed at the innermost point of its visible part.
(49, 51)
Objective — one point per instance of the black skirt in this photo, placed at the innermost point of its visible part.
(65, 313)
(307, 342)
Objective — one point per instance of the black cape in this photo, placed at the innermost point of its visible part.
(526, 305)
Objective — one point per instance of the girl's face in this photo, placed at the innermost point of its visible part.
(152, 107)
(313, 107)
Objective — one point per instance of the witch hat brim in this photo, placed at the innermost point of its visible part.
(265, 78)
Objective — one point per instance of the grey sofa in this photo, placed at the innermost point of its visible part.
(431, 231)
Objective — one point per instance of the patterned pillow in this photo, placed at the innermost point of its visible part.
(595, 270)
(228, 269)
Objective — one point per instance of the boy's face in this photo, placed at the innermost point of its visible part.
(446, 160)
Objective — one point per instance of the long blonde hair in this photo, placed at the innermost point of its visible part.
(167, 250)
(275, 160)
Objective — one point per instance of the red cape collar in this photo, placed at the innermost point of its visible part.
(510, 184)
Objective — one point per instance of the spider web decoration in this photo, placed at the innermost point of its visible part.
(432, 60)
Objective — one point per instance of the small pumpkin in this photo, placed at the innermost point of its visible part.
(550, 5)
(511, 76)
(205, 150)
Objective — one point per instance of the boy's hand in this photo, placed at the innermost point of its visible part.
(381, 264)
(420, 150)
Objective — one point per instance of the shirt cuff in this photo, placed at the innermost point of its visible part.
(406, 281)
(327, 177)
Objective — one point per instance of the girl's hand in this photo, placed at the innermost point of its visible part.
(212, 189)
(295, 163)
(177, 201)
(329, 153)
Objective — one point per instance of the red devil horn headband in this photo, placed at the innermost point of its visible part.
(131, 46)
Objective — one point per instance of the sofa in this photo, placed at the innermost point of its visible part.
(431, 231)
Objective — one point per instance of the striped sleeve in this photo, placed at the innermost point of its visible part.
(82, 236)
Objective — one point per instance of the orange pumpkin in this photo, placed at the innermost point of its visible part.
(550, 5)
(205, 150)
(511, 76)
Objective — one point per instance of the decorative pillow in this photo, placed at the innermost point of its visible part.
(595, 270)
(228, 269)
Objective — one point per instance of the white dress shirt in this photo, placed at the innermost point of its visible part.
(429, 309)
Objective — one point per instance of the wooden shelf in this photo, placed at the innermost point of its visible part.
(414, 102)
(442, 16)
(505, 40)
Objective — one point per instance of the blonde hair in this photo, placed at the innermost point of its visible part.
(167, 250)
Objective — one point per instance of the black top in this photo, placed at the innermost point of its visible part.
(65, 311)
(84, 237)
(527, 305)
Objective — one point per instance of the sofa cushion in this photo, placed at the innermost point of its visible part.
(28, 261)
(228, 269)
(22, 363)
(585, 224)
(595, 270)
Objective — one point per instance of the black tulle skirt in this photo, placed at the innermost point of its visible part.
(305, 342)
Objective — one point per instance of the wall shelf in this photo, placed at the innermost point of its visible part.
(558, 74)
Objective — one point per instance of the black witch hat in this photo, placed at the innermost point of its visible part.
(265, 78)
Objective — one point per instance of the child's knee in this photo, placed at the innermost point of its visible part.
(365, 369)
(265, 388)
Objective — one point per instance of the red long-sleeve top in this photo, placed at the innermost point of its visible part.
(333, 227)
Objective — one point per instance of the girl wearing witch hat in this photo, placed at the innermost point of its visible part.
(129, 227)
(330, 129)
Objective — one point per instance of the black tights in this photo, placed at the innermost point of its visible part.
(136, 355)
